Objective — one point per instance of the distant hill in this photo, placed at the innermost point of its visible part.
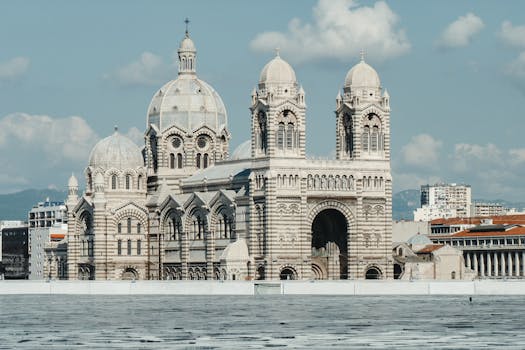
(15, 206)
(404, 203)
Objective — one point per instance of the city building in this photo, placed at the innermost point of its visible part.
(493, 247)
(47, 214)
(444, 201)
(183, 208)
(15, 253)
(488, 209)
(43, 258)
(420, 259)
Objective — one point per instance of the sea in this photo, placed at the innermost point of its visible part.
(261, 322)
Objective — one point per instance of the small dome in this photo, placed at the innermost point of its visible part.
(419, 240)
(243, 151)
(236, 251)
(116, 151)
(187, 44)
(277, 71)
(73, 182)
(362, 75)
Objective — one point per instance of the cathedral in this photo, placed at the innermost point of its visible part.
(184, 208)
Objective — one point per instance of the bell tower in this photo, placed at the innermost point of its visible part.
(278, 113)
(362, 116)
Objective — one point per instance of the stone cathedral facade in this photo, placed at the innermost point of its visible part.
(184, 208)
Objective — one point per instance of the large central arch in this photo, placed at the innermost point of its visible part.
(330, 245)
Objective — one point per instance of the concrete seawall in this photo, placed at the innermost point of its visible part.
(485, 287)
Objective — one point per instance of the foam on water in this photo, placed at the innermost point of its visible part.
(227, 322)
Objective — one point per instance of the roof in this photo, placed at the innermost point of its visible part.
(430, 248)
(496, 220)
(277, 72)
(362, 75)
(116, 151)
(220, 171)
(514, 231)
(419, 239)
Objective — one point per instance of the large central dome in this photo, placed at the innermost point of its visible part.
(187, 102)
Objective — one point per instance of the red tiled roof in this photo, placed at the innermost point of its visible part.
(58, 236)
(430, 248)
(515, 231)
(500, 219)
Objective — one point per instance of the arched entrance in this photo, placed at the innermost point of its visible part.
(130, 274)
(287, 274)
(398, 270)
(373, 273)
(260, 273)
(330, 243)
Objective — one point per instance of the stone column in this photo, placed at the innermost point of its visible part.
(489, 265)
(496, 265)
(482, 265)
(517, 270)
(502, 261)
(468, 262)
(509, 263)
(523, 263)
(475, 256)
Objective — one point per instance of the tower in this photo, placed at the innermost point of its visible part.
(362, 116)
(278, 113)
(186, 125)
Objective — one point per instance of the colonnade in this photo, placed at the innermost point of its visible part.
(496, 263)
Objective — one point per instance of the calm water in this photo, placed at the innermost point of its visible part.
(204, 322)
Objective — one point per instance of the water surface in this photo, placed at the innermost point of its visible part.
(258, 322)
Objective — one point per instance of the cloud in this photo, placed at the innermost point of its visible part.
(340, 29)
(460, 32)
(148, 69)
(517, 155)
(470, 157)
(39, 149)
(512, 35)
(13, 68)
(136, 136)
(422, 151)
(516, 68)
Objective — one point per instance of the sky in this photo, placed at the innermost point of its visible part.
(455, 71)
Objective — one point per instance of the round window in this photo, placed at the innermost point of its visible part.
(176, 142)
(202, 142)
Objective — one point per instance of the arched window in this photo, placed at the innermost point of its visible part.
(119, 228)
(349, 134)
(366, 138)
(139, 228)
(205, 161)
(198, 159)
(289, 136)
(139, 182)
(128, 182)
(119, 247)
(172, 161)
(139, 247)
(129, 225)
(113, 182)
(129, 247)
(280, 136)
(179, 160)
(374, 139)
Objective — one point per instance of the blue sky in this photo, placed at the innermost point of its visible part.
(455, 71)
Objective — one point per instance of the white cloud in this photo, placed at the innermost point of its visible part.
(38, 150)
(422, 151)
(13, 68)
(471, 157)
(136, 136)
(512, 35)
(516, 68)
(517, 155)
(460, 32)
(70, 138)
(148, 69)
(340, 29)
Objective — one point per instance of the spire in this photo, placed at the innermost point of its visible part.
(277, 52)
(362, 54)
(187, 21)
(187, 53)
